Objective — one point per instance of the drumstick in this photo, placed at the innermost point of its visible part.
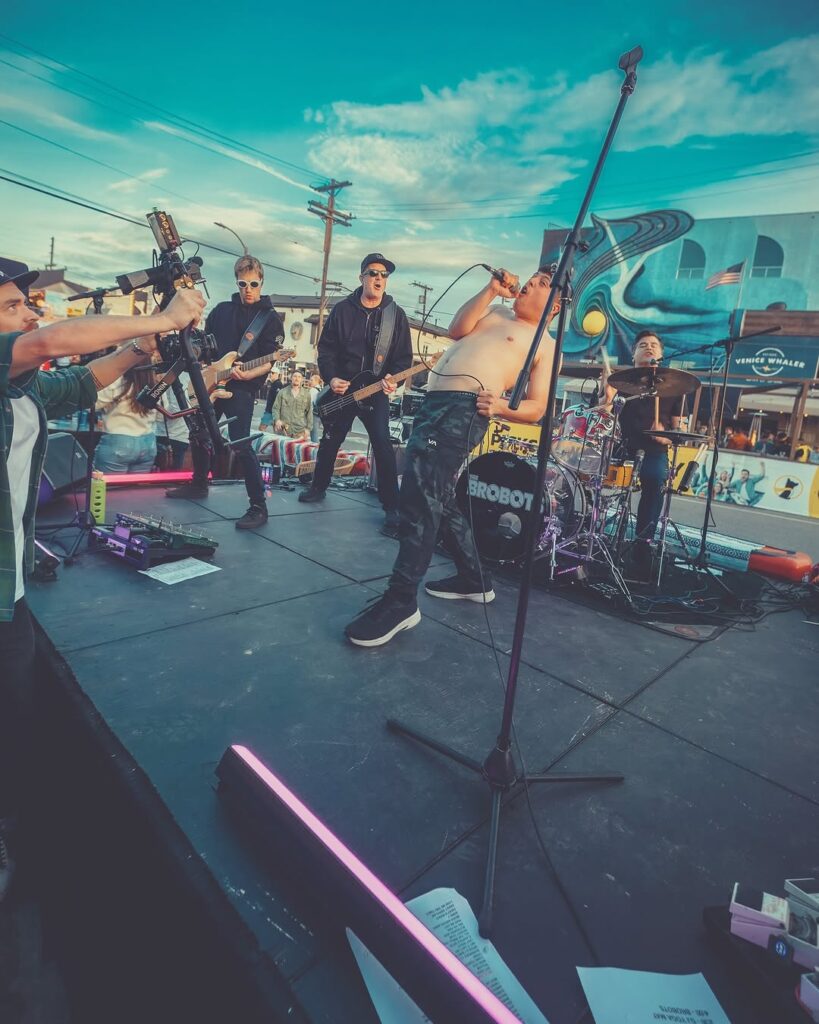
(657, 413)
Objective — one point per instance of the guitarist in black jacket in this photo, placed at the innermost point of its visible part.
(353, 341)
(229, 322)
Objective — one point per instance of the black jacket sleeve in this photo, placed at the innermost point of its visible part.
(401, 349)
(328, 348)
(272, 337)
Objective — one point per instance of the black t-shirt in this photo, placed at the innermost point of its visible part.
(228, 322)
(637, 416)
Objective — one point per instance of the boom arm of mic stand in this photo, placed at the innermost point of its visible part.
(628, 63)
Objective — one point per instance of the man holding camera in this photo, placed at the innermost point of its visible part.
(28, 398)
(249, 325)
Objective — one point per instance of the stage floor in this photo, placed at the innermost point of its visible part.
(717, 742)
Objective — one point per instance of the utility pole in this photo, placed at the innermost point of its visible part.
(328, 213)
(422, 299)
(51, 264)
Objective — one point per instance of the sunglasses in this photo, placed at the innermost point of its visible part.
(377, 273)
(248, 284)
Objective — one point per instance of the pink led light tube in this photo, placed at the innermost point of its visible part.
(461, 975)
(171, 477)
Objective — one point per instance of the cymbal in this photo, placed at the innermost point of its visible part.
(666, 382)
(680, 437)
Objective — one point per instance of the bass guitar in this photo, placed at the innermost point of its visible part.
(362, 388)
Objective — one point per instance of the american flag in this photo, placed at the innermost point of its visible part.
(731, 275)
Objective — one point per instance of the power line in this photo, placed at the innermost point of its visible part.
(55, 193)
(181, 122)
(634, 184)
(563, 199)
(99, 163)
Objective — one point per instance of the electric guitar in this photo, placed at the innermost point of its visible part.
(220, 371)
(362, 387)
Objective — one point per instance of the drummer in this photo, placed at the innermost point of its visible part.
(637, 416)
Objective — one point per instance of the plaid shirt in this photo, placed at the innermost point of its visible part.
(56, 393)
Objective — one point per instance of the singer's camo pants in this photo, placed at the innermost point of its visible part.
(446, 429)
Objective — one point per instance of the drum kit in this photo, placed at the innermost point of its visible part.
(584, 521)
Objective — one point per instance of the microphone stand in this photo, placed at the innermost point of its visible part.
(700, 562)
(85, 519)
(499, 770)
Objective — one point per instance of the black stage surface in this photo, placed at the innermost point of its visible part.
(717, 742)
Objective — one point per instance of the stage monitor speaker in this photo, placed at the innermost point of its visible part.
(65, 466)
(400, 458)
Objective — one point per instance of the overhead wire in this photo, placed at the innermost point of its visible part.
(55, 193)
(182, 121)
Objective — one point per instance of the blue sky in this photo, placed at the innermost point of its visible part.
(466, 129)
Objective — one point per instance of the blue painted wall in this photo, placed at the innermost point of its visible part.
(630, 274)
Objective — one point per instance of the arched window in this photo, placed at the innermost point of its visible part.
(768, 258)
(692, 261)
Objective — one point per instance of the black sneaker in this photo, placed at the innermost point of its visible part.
(391, 523)
(382, 620)
(191, 490)
(255, 516)
(7, 865)
(312, 494)
(456, 588)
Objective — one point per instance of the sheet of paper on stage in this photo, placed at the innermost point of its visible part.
(176, 572)
(449, 917)
(638, 997)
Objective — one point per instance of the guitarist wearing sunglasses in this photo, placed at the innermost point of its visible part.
(366, 333)
(248, 325)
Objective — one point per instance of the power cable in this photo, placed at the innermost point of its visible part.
(192, 125)
(54, 193)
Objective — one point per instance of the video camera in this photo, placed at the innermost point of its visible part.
(183, 351)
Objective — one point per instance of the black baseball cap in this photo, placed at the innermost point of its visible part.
(14, 272)
(377, 257)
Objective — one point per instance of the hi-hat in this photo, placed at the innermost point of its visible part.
(664, 381)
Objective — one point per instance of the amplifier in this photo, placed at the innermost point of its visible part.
(400, 458)
(64, 467)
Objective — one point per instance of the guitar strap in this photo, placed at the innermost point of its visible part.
(257, 325)
(384, 340)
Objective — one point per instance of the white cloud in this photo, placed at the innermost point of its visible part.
(701, 96)
(132, 184)
(226, 151)
(446, 147)
(39, 113)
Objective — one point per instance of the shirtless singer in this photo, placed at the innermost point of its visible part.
(490, 347)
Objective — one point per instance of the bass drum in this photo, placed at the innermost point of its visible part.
(495, 492)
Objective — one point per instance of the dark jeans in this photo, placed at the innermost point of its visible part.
(653, 476)
(239, 405)
(376, 422)
(445, 431)
(16, 705)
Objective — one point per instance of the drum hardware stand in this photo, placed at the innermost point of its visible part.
(499, 770)
(665, 515)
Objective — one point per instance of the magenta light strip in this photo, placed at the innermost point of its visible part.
(405, 918)
(113, 479)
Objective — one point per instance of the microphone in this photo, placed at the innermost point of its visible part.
(497, 274)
